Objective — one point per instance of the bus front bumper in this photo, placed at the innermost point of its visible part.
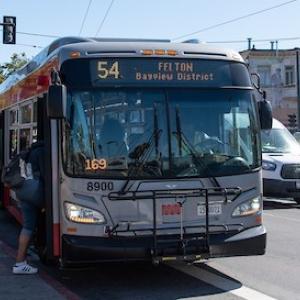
(86, 249)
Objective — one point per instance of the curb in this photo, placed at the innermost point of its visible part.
(55, 284)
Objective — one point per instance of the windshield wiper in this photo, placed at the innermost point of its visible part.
(142, 152)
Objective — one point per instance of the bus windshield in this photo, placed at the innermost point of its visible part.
(160, 133)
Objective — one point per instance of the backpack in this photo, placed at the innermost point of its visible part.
(17, 171)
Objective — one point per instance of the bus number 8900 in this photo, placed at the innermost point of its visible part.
(100, 186)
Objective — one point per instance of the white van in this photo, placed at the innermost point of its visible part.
(297, 136)
(281, 163)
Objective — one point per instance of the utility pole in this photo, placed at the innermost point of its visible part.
(249, 43)
(9, 30)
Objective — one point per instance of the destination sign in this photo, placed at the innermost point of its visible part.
(169, 72)
(156, 72)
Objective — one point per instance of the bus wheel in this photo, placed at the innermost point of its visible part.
(297, 200)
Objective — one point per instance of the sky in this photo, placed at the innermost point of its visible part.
(167, 19)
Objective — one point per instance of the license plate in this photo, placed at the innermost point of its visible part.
(213, 210)
(298, 185)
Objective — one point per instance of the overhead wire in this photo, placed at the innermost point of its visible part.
(208, 42)
(38, 34)
(27, 45)
(33, 46)
(201, 30)
(104, 18)
(234, 20)
(85, 15)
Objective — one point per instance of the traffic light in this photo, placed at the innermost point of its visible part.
(292, 121)
(9, 30)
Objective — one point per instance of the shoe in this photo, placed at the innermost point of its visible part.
(24, 269)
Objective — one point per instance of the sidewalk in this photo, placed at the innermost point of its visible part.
(20, 287)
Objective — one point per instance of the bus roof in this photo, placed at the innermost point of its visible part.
(93, 47)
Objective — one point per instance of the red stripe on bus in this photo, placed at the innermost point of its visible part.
(56, 239)
(27, 87)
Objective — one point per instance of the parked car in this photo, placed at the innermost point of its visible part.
(281, 163)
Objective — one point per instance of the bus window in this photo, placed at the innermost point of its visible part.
(13, 143)
(24, 139)
(13, 117)
(26, 114)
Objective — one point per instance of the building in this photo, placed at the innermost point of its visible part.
(279, 75)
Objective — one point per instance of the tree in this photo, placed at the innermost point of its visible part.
(16, 62)
(2, 78)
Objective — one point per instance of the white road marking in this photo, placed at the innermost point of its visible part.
(222, 283)
(280, 217)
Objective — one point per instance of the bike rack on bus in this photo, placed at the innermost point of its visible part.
(205, 193)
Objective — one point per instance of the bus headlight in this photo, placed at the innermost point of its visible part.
(80, 214)
(247, 208)
(269, 166)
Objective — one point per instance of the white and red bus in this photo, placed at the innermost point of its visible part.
(152, 149)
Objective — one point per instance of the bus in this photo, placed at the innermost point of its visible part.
(153, 150)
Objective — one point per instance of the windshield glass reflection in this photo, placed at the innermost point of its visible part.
(160, 133)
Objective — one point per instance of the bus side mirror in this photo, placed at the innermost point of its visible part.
(265, 114)
(57, 102)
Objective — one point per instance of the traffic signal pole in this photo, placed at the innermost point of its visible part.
(9, 30)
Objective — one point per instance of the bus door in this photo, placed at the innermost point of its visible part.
(50, 229)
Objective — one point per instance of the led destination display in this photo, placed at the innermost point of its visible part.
(168, 72)
(155, 71)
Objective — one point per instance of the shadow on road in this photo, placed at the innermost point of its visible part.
(127, 280)
(140, 281)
